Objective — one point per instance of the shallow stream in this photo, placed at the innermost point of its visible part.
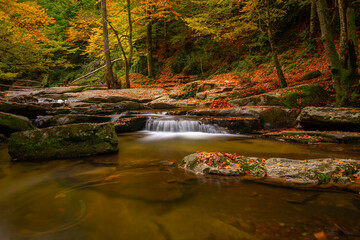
(139, 193)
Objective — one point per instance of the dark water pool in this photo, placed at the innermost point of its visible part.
(138, 194)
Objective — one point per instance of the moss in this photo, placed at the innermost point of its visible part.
(308, 95)
(13, 123)
(64, 141)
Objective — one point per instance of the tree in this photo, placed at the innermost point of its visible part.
(110, 80)
(24, 45)
(343, 65)
(149, 12)
(266, 12)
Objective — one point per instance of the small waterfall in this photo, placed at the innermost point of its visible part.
(180, 125)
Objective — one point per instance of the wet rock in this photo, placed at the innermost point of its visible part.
(327, 118)
(223, 164)
(310, 137)
(313, 171)
(10, 123)
(27, 110)
(235, 124)
(272, 117)
(160, 105)
(64, 119)
(130, 124)
(67, 141)
(322, 173)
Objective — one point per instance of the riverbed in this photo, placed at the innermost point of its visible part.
(140, 193)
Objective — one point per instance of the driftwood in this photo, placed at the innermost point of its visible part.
(95, 71)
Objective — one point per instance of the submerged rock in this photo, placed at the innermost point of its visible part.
(324, 173)
(10, 123)
(328, 118)
(67, 141)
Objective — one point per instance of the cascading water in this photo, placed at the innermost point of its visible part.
(181, 126)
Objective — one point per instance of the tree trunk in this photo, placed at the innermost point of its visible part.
(344, 73)
(110, 81)
(343, 44)
(149, 47)
(128, 65)
(279, 71)
(312, 19)
(352, 28)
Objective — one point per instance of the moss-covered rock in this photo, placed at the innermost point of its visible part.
(130, 124)
(223, 164)
(10, 123)
(66, 141)
(313, 173)
(293, 97)
(309, 75)
(327, 118)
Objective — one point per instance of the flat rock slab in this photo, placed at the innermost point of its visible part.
(271, 117)
(10, 123)
(74, 140)
(130, 124)
(330, 119)
(313, 173)
(25, 109)
(113, 95)
(311, 137)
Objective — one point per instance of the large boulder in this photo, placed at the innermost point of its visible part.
(66, 141)
(344, 119)
(10, 123)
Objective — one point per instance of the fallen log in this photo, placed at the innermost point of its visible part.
(95, 71)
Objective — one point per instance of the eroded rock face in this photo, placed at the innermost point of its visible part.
(66, 141)
(27, 110)
(327, 118)
(10, 123)
(64, 119)
(160, 105)
(324, 173)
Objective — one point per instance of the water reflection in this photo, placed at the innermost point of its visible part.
(139, 193)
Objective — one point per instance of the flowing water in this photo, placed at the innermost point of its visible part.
(139, 193)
